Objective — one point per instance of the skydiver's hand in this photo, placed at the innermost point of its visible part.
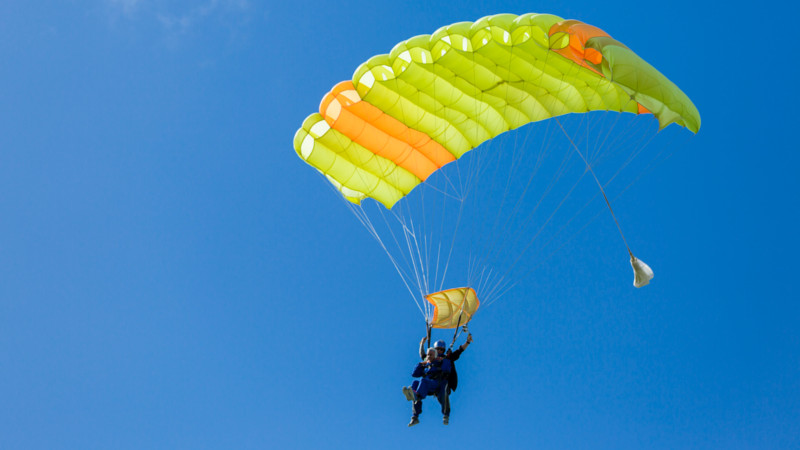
(469, 338)
(423, 340)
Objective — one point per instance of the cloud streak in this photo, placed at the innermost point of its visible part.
(126, 7)
(182, 22)
(179, 21)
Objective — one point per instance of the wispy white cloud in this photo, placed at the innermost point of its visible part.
(126, 7)
(180, 20)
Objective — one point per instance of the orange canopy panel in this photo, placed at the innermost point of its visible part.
(451, 305)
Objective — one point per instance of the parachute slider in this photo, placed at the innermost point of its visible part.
(453, 307)
(642, 273)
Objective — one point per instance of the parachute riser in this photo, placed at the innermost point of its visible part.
(458, 330)
(428, 332)
(463, 329)
(455, 333)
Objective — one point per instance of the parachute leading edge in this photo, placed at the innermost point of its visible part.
(453, 307)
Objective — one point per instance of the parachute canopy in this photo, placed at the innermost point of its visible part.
(435, 97)
(453, 307)
(493, 217)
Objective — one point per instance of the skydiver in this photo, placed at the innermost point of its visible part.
(452, 379)
(434, 371)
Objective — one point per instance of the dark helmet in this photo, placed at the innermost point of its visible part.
(440, 344)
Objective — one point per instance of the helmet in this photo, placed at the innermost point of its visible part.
(440, 344)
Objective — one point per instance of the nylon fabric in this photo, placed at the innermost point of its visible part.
(453, 307)
(435, 97)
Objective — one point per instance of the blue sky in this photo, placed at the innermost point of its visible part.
(173, 276)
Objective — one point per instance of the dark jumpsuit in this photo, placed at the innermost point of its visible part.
(433, 382)
(452, 379)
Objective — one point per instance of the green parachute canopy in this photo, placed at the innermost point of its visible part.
(391, 132)
(435, 97)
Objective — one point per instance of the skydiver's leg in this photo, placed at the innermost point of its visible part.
(425, 387)
(441, 395)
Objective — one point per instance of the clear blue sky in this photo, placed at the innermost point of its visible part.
(173, 276)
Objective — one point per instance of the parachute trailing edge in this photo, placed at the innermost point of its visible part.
(435, 97)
